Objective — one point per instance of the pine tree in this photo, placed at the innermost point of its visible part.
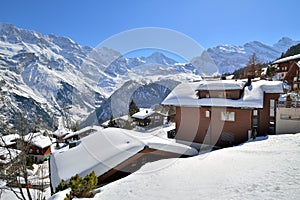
(133, 108)
(112, 122)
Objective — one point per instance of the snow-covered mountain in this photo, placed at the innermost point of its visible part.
(44, 77)
(230, 57)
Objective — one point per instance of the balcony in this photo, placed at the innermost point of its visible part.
(288, 104)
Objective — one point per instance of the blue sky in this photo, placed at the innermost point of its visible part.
(209, 22)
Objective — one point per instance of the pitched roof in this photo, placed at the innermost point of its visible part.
(37, 139)
(61, 132)
(184, 95)
(106, 149)
(143, 114)
(294, 57)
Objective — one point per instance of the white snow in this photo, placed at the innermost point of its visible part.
(105, 149)
(185, 94)
(266, 169)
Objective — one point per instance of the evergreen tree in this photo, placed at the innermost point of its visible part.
(293, 50)
(80, 187)
(112, 122)
(133, 108)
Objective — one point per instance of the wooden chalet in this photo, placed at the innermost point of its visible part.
(40, 146)
(224, 112)
(148, 118)
(288, 69)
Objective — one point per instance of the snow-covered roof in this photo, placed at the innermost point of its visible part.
(221, 85)
(90, 129)
(106, 149)
(184, 95)
(294, 57)
(7, 154)
(124, 117)
(143, 114)
(61, 132)
(8, 140)
(38, 139)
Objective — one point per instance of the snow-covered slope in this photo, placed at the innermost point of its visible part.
(266, 169)
(230, 57)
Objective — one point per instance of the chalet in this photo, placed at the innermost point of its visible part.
(39, 146)
(224, 112)
(148, 118)
(60, 133)
(288, 69)
(112, 153)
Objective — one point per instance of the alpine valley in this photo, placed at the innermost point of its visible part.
(46, 77)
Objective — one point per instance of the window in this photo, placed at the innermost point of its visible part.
(284, 116)
(295, 78)
(255, 121)
(221, 95)
(272, 108)
(255, 112)
(207, 113)
(228, 116)
(295, 117)
(295, 85)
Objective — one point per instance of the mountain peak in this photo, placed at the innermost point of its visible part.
(159, 58)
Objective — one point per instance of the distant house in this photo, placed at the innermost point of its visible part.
(39, 146)
(224, 112)
(148, 118)
(60, 133)
(288, 114)
(288, 69)
(112, 153)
